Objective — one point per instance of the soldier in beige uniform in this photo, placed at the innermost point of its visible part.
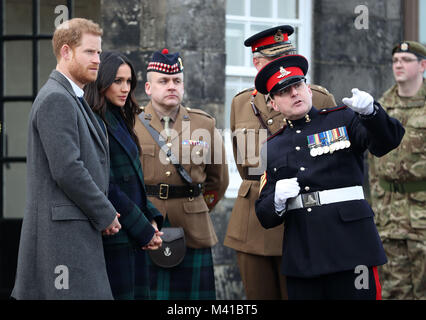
(197, 145)
(398, 180)
(259, 250)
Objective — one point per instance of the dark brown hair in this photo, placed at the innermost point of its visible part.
(94, 92)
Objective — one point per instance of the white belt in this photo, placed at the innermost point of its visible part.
(318, 198)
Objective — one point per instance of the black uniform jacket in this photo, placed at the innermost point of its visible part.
(333, 237)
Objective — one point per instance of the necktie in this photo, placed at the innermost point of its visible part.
(167, 128)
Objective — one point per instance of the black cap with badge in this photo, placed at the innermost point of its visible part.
(281, 73)
(272, 42)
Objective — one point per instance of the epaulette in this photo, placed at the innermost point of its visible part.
(337, 108)
(243, 91)
(275, 134)
(198, 111)
(319, 89)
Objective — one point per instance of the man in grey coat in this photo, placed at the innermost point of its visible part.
(67, 209)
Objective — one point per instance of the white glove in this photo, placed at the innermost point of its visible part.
(284, 189)
(361, 102)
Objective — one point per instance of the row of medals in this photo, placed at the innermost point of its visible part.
(328, 145)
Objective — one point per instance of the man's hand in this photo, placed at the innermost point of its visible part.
(156, 240)
(284, 189)
(113, 228)
(361, 102)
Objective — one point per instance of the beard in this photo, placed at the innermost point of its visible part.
(82, 74)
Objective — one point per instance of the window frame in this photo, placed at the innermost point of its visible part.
(35, 37)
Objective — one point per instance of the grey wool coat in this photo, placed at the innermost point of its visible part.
(60, 251)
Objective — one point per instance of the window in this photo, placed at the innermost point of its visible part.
(26, 29)
(243, 19)
(422, 22)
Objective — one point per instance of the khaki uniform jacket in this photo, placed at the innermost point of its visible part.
(244, 232)
(192, 146)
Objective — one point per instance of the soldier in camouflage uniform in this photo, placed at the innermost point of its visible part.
(398, 180)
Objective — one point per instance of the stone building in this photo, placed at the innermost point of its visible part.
(347, 42)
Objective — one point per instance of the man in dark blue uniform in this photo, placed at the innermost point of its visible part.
(313, 183)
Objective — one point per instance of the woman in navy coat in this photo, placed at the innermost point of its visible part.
(112, 99)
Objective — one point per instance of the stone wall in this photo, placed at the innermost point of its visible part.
(195, 29)
(345, 57)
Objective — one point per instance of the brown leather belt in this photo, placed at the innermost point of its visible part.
(165, 191)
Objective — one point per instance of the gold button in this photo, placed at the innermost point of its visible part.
(168, 173)
(270, 121)
(309, 209)
(302, 169)
(298, 131)
(298, 148)
(307, 188)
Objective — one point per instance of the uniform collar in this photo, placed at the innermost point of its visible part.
(178, 126)
(306, 120)
(392, 99)
(172, 116)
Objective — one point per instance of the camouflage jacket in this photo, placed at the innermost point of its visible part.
(402, 215)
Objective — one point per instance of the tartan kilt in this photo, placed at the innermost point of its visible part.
(192, 279)
(127, 271)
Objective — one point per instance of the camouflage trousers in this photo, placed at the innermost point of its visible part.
(404, 276)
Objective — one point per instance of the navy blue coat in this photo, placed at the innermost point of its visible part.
(127, 189)
(332, 237)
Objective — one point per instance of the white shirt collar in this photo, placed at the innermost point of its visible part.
(77, 90)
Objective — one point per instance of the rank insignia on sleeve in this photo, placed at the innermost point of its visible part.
(263, 180)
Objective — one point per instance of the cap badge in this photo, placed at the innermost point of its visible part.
(180, 63)
(279, 37)
(404, 46)
(283, 72)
